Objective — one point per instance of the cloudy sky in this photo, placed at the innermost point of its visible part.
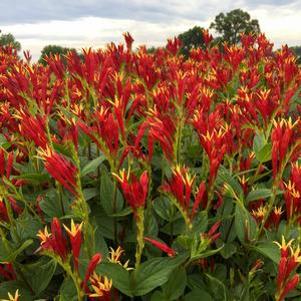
(84, 23)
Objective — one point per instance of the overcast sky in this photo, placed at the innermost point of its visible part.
(84, 23)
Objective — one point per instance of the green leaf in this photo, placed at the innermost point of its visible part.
(262, 193)
(90, 193)
(228, 250)
(3, 142)
(33, 178)
(164, 208)
(262, 148)
(158, 296)
(109, 192)
(245, 225)
(265, 153)
(51, 206)
(154, 272)
(39, 274)
(207, 253)
(217, 288)
(200, 222)
(11, 254)
(100, 244)
(119, 275)
(269, 249)
(92, 165)
(175, 286)
(197, 295)
(124, 212)
(26, 227)
(68, 291)
(225, 177)
(11, 287)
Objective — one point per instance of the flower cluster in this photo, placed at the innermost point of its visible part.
(151, 174)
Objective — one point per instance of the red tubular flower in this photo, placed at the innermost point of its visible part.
(3, 212)
(282, 138)
(215, 147)
(101, 287)
(128, 40)
(134, 190)
(104, 131)
(292, 199)
(7, 271)
(180, 187)
(234, 55)
(6, 164)
(174, 46)
(162, 246)
(75, 235)
(95, 260)
(161, 129)
(199, 198)
(274, 218)
(33, 128)
(61, 169)
(55, 241)
(207, 37)
(215, 142)
(211, 234)
(59, 241)
(290, 259)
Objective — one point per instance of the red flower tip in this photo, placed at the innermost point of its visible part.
(162, 246)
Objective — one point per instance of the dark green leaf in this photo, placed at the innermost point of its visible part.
(207, 253)
(262, 193)
(245, 224)
(90, 193)
(68, 291)
(261, 148)
(269, 249)
(119, 275)
(175, 285)
(109, 194)
(198, 295)
(92, 165)
(228, 250)
(12, 286)
(52, 207)
(217, 288)
(11, 254)
(39, 274)
(154, 272)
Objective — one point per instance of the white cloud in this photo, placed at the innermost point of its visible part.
(281, 23)
(94, 32)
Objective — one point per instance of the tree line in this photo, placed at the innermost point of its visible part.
(228, 28)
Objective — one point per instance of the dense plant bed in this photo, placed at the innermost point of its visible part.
(126, 174)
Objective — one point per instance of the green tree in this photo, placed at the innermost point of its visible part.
(231, 25)
(297, 51)
(9, 39)
(192, 38)
(53, 49)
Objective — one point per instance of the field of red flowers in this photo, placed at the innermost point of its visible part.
(134, 175)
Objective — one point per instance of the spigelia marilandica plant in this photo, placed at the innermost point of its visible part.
(152, 176)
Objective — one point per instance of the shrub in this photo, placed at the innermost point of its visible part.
(149, 175)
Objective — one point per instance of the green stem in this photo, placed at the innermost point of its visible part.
(179, 130)
(210, 197)
(68, 270)
(140, 236)
(60, 193)
(275, 188)
(114, 211)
